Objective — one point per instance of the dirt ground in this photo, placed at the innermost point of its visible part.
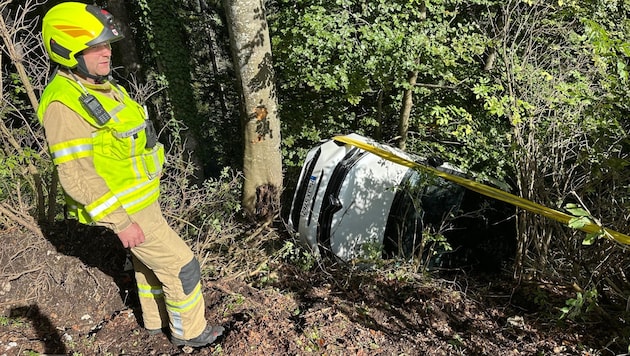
(62, 295)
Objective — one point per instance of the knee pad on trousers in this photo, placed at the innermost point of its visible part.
(190, 275)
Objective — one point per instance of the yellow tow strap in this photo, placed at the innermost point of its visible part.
(486, 190)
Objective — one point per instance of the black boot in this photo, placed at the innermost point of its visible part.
(208, 336)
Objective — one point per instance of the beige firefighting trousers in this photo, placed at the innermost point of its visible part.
(168, 278)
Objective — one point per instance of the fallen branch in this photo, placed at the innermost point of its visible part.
(20, 218)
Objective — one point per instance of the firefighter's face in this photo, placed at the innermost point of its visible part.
(98, 59)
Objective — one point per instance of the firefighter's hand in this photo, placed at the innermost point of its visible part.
(132, 236)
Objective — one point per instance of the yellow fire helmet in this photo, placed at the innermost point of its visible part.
(70, 27)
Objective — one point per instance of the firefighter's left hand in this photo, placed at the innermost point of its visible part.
(132, 236)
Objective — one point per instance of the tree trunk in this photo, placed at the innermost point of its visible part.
(173, 60)
(262, 161)
(378, 133)
(407, 104)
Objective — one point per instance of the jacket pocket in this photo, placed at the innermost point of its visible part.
(153, 161)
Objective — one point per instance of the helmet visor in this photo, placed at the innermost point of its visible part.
(110, 32)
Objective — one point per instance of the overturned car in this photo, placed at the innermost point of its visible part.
(352, 204)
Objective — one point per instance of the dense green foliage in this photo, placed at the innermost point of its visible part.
(549, 86)
(344, 66)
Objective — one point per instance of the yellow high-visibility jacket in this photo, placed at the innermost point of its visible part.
(116, 150)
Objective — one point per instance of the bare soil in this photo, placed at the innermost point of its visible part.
(68, 293)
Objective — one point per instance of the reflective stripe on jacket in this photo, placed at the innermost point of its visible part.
(118, 149)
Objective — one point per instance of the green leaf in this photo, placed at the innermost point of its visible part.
(590, 239)
(579, 222)
(578, 211)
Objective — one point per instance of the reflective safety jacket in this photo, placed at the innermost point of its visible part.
(118, 149)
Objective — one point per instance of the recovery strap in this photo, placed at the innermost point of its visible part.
(486, 190)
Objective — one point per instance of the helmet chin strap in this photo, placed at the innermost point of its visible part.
(82, 69)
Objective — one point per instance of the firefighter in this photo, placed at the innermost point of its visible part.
(109, 164)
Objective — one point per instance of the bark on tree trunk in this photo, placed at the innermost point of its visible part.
(262, 162)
